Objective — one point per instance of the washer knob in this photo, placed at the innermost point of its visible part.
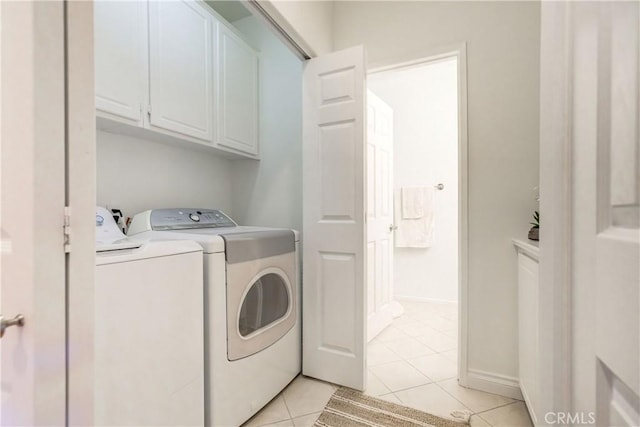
(194, 217)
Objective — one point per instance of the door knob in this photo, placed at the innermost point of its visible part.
(16, 321)
(392, 228)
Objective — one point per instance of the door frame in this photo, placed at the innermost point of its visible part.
(556, 172)
(430, 55)
(81, 198)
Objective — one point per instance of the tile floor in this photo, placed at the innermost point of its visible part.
(412, 362)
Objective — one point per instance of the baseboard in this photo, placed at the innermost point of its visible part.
(494, 383)
(421, 299)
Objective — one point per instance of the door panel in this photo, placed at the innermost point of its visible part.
(379, 213)
(121, 43)
(334, 229)
(617, 240)
(238, 93)
(181, 71)
(604, 215)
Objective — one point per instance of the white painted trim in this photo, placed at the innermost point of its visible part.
(265, 11)
(530, 249)
(556, 71)
(458, 51)
(81, 196)
(494, 383)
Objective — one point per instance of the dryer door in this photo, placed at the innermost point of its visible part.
(261, 292)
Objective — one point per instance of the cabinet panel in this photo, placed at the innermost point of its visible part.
(120, 32)
(181, 72)
(528, 331)
(238, 91)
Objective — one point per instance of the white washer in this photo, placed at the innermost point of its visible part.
(149, 336)
(252, 307)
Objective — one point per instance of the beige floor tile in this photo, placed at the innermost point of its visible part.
(435, 366)
(424, 316)
(453, 333)
(452, 315)
(305, 396)
(477, 421)
(307, 420)
(390, 398)
(513, 415)
(451, 355)
(389, 334)
(477, 401)
(413, 328)
(408, 348)
(378, 354)
(441, 324)
(438, 341)
(287, 423)
(432, 399)
(404, 319)
(275, 411)
(375, 387)
(399, 375)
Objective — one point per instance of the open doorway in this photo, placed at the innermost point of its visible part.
(419, 347)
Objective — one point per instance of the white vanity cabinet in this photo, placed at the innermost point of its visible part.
(181, 39)
(528, 324)
(237, 93)
(121, 74)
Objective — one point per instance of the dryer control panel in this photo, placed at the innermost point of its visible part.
(180, 219)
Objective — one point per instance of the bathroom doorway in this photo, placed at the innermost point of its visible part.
(420, 346)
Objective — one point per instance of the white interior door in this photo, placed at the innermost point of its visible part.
(617, 233)
(334, 201)
(33, 383)
(594, 123)
(379, 215)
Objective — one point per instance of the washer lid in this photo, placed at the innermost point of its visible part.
(109, 237)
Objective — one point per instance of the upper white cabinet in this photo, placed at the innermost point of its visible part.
(237, 93)
(121, 59)
(178, 71)
(181, 39)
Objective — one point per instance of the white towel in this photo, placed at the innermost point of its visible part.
(417, 232)
(412, 202)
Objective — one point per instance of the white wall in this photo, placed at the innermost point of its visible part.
(425, 112)
(308, 22)
(503, 48)
(269, 192)
(135, 174)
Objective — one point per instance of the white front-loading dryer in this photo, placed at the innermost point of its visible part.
(252, 307)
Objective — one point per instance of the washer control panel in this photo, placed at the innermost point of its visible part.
(177, 219)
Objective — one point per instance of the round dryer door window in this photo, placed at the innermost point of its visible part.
(267, 301)
(261, 290)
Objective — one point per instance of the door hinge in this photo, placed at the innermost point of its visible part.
(149, 110)
(67, 229)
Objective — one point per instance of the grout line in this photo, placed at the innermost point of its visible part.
(285, 402)
(455, 398)
(497, 407)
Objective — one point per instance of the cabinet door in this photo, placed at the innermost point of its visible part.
(120, 32)
(181, 72)
(238, 93)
